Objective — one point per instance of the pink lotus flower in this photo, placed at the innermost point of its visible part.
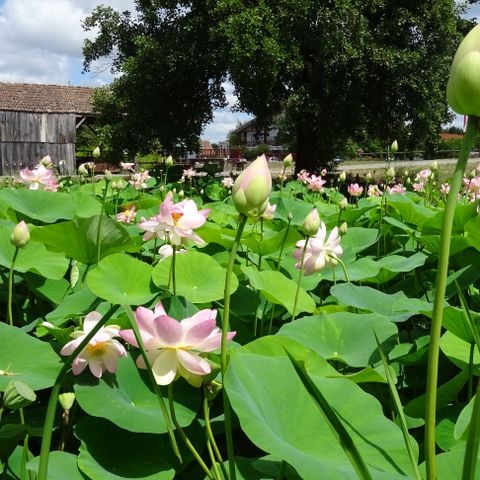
(374, 191)
(355, 190)
(269, 212)
(174, 348)
(319, 253)
(228, 182)
(40, 178)
(303, 176)
(127, 216)
(139, 180)
(127, 166)
(316, 183)
(176, 222)
(102, 350)
(397, 188)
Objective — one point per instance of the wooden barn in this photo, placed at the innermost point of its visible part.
(38, 120)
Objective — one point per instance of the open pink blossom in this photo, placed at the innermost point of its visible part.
(320, 251)
(303, 176)
(397, 188)
(40, 178)
(374, 191)
(174, 348)
(176, 222)
(128, 215)
(127, 166)
(139, 180)
(228, 182)
(102, 350)
(315, 184)
(355, 190)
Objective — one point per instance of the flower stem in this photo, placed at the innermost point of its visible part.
(183, 435)
(225, 326)
(299, 281)
(284, 240)
(99, 227)
(10, 288)
(161, 402)
(439, 299)
(53, 400)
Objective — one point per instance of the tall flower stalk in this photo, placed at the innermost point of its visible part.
(471, 134)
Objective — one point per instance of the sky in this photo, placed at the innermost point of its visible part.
(41, 42)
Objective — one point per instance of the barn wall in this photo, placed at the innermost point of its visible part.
(27, 137)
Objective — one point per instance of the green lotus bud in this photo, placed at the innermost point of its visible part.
(311, 224)
(66, 400)
(18, 395)
(96, 152)
(342, 230)
(288, 160)
(463, 87)
(20, 235)
(252, 188)
(390, 172)
(343, 205)
(169, 161)
(343, 176)
(434, 165)
(394, 147)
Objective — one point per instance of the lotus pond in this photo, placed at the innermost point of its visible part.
(173, 330)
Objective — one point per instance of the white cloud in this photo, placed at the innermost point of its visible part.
(41, 42)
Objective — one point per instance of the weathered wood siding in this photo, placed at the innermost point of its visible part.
(27, 137)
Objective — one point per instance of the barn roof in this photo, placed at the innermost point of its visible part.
(29, 97)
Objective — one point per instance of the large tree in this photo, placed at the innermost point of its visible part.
(336, 69)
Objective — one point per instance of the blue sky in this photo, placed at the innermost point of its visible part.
(41, 42)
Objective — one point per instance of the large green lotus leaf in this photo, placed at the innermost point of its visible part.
(433, 243)
(198, 277)
(73, 305)
(77, 238)
(279, 289)
(290, 210)
(396, 306)
(410, 212)
(281, 418)
(455, 322)
(344, 336)
(358, 239)
(110, 453)
(464, 214)
(472, 232)
(54, 290)
(129, 403)
(32, 258)
(40, 205)
(85, 205)
(458, 350)
(271, 241)
(59, 463)
(450, 465)
(27, 359)
(359, 270)
(121, 279)
(351, 215)
(391, 265)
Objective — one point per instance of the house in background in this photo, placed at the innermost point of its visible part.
(249, 135)
(38, 120)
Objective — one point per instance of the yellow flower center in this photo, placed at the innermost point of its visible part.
(97, 350)
(176, 217)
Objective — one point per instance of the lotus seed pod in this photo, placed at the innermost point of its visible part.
(463, 88)
(66, 400)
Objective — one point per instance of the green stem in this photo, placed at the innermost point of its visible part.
(282, 246)
(225, 327)
(345, 273)
(53, 400)
(156, 387)
(299, 281)
(183, 435)
(10, 288)
(211, 437)
(99, 229)
(174, 283)
(473, 441)
(439, 299)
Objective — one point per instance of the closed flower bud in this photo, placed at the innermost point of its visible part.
(434, 165)
(181, 193)
(288, 160)
(252, 188)
(311, 224)
(108, 175)
(20, 235)
(18, 395)
(343, 205)
(463, 88)
(394, 147)
(169, 161)
(342, 177)
(390, 172)
(342, 230)
(369, 176)
(96, 152)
